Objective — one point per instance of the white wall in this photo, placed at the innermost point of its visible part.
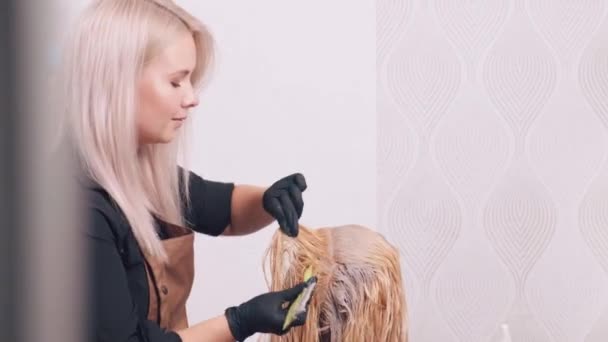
(293, 91)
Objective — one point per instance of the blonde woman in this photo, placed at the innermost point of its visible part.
(132, 71)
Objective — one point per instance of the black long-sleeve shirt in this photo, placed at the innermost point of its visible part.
(117, 285)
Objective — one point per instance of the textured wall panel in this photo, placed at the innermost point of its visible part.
(493, 165)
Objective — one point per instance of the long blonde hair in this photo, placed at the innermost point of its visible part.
(112, 42)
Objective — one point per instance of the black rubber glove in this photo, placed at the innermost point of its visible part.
(265, 313)
(283, 201)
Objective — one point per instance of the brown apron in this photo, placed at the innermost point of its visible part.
(170, 284)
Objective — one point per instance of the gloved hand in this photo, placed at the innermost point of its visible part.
(265, 313)
(283, 201)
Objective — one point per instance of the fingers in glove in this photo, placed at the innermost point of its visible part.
(296, 198)
(278, 211)
(291, 294)
(290, 215)
(300, 319)
(300, 181)
(283, 183)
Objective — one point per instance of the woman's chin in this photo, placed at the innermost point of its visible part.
(165, 139)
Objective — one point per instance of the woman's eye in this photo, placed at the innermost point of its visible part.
(175, 84)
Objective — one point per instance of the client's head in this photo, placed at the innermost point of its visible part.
(359, 295)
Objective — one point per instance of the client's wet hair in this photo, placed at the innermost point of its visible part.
(359, 295)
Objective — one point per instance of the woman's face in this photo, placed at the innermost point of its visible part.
(164, 92)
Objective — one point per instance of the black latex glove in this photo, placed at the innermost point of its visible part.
(265, 313)
(283, 200)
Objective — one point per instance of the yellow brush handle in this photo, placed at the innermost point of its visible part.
(291, 312)
(308, 273)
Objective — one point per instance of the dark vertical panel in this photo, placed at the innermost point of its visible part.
(8, 217)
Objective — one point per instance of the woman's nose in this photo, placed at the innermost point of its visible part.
(190, 101)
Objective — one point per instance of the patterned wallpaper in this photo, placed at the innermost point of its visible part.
(493, 165)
